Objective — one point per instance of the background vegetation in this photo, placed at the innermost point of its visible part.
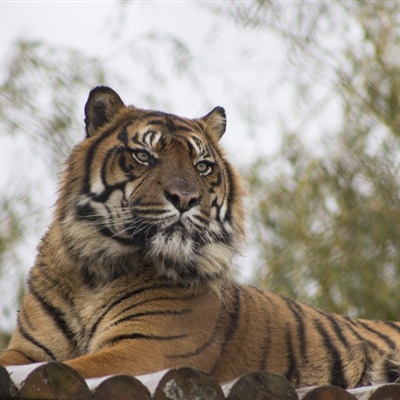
(326, 222)
(325, 212)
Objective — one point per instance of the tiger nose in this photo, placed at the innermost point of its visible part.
(181, 200)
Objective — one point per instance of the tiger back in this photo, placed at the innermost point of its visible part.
(133, 274)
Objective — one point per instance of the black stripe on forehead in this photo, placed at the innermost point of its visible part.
(180, 125)
(172, 122)
(149, 133)
(147, 138)
(123, 135)
(154, 114)
(186, 125)
(190, 147)
(202, 147)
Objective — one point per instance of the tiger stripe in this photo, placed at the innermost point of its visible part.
(125, 296)
(132, 317)
(385, 338)
(26, 335)
(57, 316)
(140, 336)
(203, 346)
(292, 373)
(298, 316)
(337, 377)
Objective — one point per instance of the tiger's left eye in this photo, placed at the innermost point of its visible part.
(142, 156)
(204, 167)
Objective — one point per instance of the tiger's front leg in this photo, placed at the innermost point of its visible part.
(14, 357)
(38, 336)
(133, 359)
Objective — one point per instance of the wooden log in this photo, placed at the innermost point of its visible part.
(55, 381)
(261, 385)
(188, 384)
(324, 393)
(389, 391)
(7, 387)
(121, 387)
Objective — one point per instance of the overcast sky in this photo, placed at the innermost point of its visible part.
(106, 29)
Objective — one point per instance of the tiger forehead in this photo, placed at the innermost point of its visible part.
(170, 123)
(166, 130)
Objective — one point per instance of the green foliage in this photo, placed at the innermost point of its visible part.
(327, 227)
(327, 221)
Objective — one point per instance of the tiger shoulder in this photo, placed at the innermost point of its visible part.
(134, 272)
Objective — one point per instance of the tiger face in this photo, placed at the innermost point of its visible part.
(156, 192)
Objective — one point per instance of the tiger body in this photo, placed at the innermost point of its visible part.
(133, 274)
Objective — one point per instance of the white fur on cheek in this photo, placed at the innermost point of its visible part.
(97, 186)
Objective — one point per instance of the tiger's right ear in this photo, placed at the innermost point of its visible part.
(102, 105)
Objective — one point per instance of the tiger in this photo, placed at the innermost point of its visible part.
(134, 273)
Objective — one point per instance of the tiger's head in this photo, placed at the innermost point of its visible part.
(147, 189)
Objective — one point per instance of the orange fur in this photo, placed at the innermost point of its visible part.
(133, 275)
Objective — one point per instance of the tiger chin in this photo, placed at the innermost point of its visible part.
(133, 274)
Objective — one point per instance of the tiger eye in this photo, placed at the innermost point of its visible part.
(203, 167)
(142, 155)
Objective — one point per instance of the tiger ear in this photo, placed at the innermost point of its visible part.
(102, 105)
(215, 122)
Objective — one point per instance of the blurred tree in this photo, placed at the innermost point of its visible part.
(39, 98)
(40, 119)
(326, 215)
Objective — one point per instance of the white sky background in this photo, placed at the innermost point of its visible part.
(99, 29)
(237, 76)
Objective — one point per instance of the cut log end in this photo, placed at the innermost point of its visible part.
(188, 384)
(262, 385)
(55, 381)
(122, 387)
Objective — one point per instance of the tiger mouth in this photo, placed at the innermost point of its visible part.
(178, 227)
(171, 233)
(177, 232)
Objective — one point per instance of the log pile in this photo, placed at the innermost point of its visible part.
(57, 381)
